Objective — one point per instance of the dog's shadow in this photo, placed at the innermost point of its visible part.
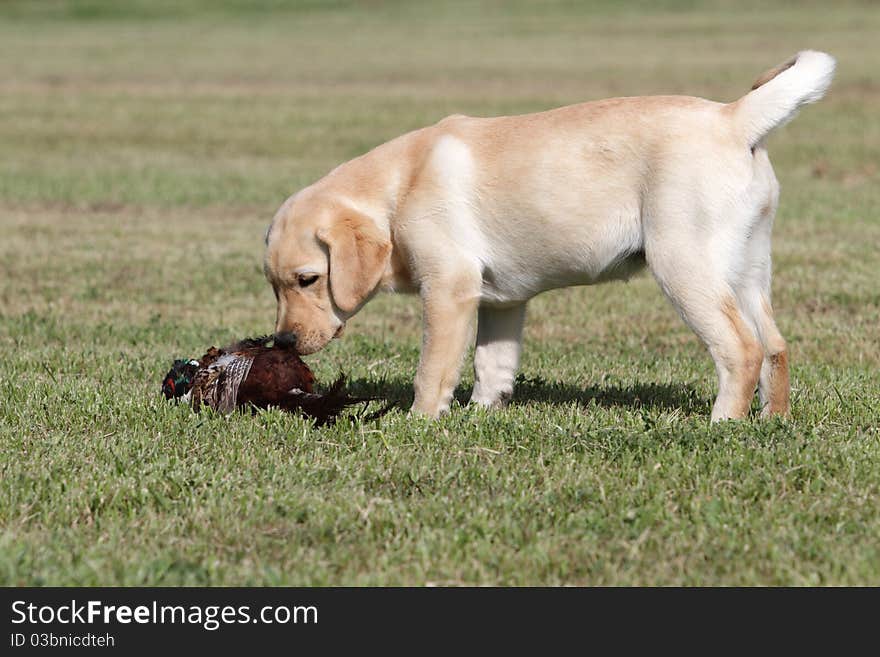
(653, 396)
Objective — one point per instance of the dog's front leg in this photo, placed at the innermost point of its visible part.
(496, 359)
(448, 312)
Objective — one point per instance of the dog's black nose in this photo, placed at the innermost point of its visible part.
(286, 340)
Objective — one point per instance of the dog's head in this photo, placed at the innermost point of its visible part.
(324, 261)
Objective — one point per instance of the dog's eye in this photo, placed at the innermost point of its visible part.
(305, 281)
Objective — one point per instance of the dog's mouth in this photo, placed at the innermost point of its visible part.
(338, 333)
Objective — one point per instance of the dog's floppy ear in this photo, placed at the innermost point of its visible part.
(359, 254)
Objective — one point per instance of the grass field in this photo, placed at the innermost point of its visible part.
(144, 146)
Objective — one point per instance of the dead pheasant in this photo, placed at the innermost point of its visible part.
(251, 374)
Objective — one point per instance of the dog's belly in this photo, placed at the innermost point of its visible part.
(507, 281)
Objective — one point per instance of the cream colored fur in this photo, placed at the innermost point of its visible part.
(478, 215)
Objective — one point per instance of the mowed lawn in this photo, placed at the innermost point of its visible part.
(144, 147)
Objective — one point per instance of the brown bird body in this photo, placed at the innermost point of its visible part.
(252, 374)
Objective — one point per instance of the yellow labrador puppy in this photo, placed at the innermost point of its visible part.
(478, 215)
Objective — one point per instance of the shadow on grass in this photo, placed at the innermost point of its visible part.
(657, 396)
(663, 397)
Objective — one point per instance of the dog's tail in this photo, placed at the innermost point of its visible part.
(779, 93)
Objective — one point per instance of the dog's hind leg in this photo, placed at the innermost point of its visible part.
(774, 386)
(718, 320)
(496, 359)
(755, 297)
(690, 277)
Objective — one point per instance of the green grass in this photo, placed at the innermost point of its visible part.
(143, 149)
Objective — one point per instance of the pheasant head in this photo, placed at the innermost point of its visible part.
(178, 381)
